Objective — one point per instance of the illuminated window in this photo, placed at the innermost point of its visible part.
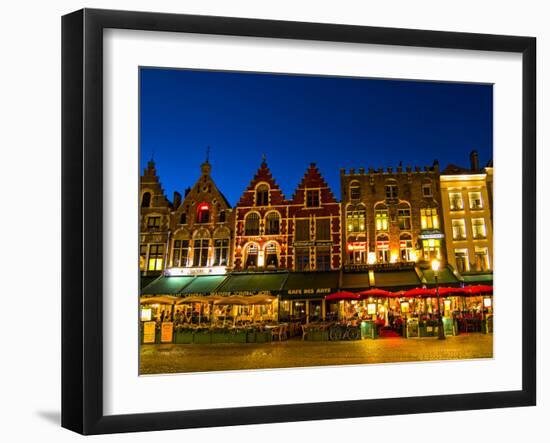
(455, 201)
(356, 219)
(427, 190)
(251, 256)
(142, 257)
(179, 253)
(357, 252)
(203, 213)
(459, 229)
(431, 249)
(461, 260)
(221, 252)
(478, 228)
(383, 249)
(183, 218)
(252, 224)
(200, 252)
(429, 218)
(322, 229)
(322, 259)
(406, 248)
(404, 219)
(312, 198)
(302, 259)
(391, 191)
(153, 223)
(272, 224)
(355, 191)
(481, 259)
(475, 200)
(271, 257)
(146, 200)
(156, 256)
(262, 195)
(381, 219)
(301, 232)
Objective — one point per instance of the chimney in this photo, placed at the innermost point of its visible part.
(177, 199)
(474, 161)
(187, 191)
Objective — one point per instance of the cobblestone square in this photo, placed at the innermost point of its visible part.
(172, 358)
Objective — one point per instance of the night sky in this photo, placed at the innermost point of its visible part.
(295, 120)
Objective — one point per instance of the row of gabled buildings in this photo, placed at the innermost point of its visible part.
(389, 224)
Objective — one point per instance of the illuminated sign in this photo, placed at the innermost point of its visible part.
(213, 270)
(146, 314)
(149, 332)
(203, 207)
(430, 233)
(371, 308)
(357, 246)
(487, 302)
(166, 332)
(309, 291)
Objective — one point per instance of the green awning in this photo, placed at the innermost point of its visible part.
(204, 284)
(396, 279)
(253, 283)
(310, 284)
(166, 285)
(478, 278)
(147, 279)
(355, 280)
(445, 277)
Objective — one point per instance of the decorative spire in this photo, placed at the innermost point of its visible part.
(207, 154)
(263, 159)
(206, 167)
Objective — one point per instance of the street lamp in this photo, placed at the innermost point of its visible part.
(440, 331)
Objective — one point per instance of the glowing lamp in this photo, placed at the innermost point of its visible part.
(435, 265)
(371, 260)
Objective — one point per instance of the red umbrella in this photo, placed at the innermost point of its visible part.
(480, 289)
(344, 295)
(454, 291)
(374, 292)
(419, 292)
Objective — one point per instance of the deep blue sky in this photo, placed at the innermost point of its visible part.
(295, 120)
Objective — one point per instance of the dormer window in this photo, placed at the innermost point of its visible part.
(221, 217)
(262, 195)
(203, 213)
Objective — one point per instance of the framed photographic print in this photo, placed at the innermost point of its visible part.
(269, 221)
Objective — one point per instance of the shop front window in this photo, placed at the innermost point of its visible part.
(406, 248)
(179, 253)
(200, 252)
(461, 260)
(221, 252)
(271, 256)
(383, 250)
(251, 256)
(429, 218)
(302, 259)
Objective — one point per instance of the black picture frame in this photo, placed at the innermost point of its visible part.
(82, 215)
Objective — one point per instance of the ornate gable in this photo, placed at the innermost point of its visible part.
(263, 175)
(150, 183)
(313, 179)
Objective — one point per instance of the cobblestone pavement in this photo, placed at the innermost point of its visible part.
(171, 358)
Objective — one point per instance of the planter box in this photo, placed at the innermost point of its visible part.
(201, 338)
(220, 337)
(251, 336)
(263, 336)
(317, 335)
(184, 337)
(238, 336)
